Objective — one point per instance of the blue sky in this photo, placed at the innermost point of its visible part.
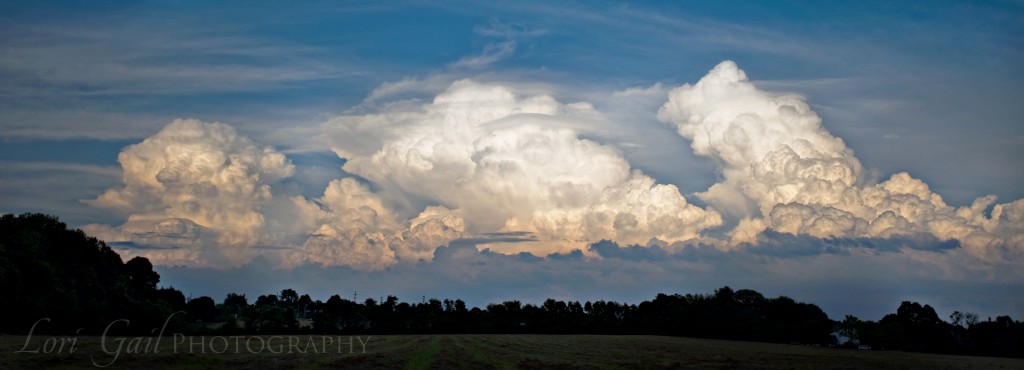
(927, 88)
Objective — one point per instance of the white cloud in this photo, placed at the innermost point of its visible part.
(199, 194)
(763, 142)
(484, 158)
(193, 183)
(782, 170)
(496, 51)
(355, 228)
(406, 86)
(492, 53)
(504, 162)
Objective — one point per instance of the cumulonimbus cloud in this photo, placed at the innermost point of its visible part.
(509, 163)
(481, 159)
(193, 185)
(782, 170)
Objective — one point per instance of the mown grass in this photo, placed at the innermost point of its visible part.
(506, 352)
(424, 358)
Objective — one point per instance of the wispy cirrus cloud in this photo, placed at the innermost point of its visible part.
(55, 187)
(34, 166)
(109, 78)
(168, 60)
(511, 34)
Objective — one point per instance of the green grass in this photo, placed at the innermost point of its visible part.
(473, 346)
(423, 359)
(509, 352)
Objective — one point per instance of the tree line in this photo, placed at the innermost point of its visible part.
(82, 285)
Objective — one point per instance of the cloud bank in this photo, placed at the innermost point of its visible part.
(867, 277)
(520, 172)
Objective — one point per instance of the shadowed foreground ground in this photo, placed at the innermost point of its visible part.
(463, 352)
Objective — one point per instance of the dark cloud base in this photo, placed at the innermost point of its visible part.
(864, 277)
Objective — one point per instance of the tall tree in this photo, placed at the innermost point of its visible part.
(201, 309)
(289, 297)
(50, 271)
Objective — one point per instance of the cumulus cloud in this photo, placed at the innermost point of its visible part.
(508, 163)
(356, 229)
(770, 148)
(200, 194)
(487, 163)
(191, 185)
(782, 170)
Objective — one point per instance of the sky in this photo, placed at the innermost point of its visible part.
(849, 154)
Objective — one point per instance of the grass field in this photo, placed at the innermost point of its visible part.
(465, 352)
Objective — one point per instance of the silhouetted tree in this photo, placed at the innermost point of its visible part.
(267, 300)
(848, 328)
(1002, 337)
(970, 318)
(916, 328)
(956, 318)
(201, 309)
(47, 270)
(173, 297)
(142, 279)
(234, 303)
(270, 319)
(289, 297)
